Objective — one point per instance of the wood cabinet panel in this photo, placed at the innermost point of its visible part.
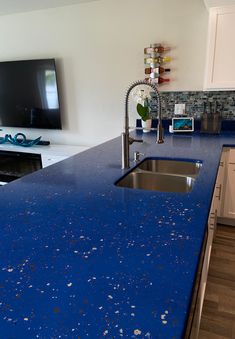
(229, 203)
(227, 209)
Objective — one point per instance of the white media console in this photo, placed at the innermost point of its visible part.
(50, 154)
(17, 161)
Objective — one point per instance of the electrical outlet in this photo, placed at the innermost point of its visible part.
(179, 109)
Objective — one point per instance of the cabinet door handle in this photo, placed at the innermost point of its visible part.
(219, 195)
(212, 220)
(212, 226)
(211, 223)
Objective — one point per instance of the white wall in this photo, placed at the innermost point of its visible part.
(99, 49)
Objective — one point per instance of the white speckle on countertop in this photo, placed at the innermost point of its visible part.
(137, 332)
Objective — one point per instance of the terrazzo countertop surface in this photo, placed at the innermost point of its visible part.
(81, 257)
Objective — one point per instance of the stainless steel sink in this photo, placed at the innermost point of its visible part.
(165, 175)
(187, 168)
(157, 182)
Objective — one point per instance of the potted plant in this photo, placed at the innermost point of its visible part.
(143, 109)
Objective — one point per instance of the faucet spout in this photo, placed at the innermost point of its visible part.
(126, 140)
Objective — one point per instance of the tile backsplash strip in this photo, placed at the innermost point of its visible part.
(194, 101)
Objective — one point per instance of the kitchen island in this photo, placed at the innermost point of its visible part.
(81, 257)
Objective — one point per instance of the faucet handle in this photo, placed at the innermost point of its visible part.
(137, 156)
(131, 140)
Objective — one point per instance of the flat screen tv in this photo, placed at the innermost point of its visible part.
(29, 94)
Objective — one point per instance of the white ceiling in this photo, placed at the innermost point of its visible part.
(17, 6)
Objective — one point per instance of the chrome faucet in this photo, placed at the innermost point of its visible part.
(126, 139)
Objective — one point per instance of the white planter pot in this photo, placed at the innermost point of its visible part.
(146, 125)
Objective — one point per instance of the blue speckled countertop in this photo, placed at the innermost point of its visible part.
(81, 257)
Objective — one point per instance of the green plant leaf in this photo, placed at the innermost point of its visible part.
(143, 112)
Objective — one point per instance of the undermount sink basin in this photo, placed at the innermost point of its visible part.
(188, 168)
(164, 175)
(157, 182)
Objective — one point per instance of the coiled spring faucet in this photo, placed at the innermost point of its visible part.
(126, 139)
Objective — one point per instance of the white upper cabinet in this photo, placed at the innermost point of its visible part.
(220, 65)
(218, 3)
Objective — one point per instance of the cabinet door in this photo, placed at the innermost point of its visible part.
(220, 182)
(229, 201)
(220, 70)
(200, 292)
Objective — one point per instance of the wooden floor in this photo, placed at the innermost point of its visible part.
(218, 316)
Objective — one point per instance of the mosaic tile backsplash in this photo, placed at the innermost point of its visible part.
(196, 102)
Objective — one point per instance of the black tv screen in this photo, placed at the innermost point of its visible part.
(29, 94)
